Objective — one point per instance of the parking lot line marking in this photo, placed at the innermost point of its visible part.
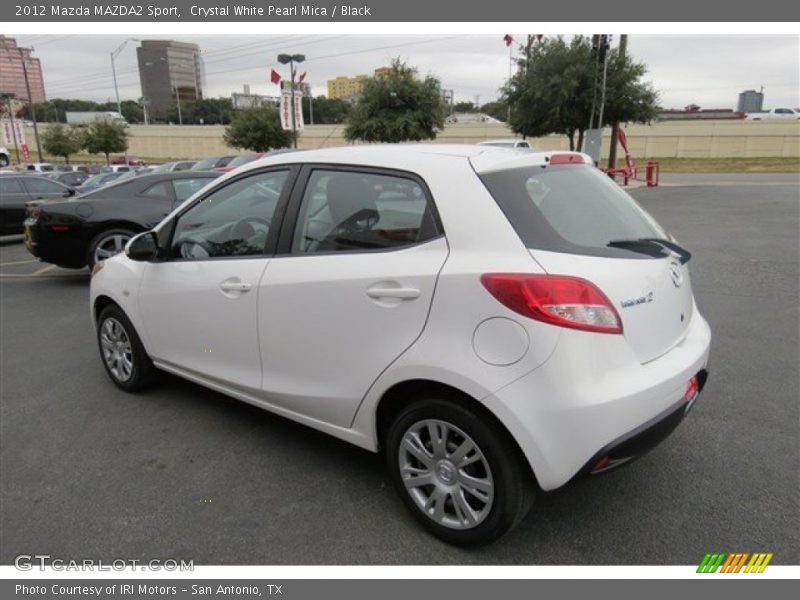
(42, 270)
(18, 262)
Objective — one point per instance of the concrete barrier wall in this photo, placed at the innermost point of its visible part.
(684, 139)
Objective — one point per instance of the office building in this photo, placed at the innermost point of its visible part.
(169, 71)
(348, 88)
(750, 101)
(12, 72)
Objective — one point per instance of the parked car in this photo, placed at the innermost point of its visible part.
(18, 189)
(97, 181)
(178, 165)
(69, 168)
(41, 167)
(73, 179)
(98, 225)
(213, 162)
(491, 320)
(117, 168)
(507, 143)
(133, 161)
(5, 157)
(240, 160)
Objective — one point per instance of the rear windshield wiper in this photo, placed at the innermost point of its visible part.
(653, 247)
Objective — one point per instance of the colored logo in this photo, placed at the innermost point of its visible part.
(735, 562)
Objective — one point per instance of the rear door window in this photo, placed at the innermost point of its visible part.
(351, 211)
(570, 208)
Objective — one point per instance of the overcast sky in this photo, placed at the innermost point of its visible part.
(705, 70)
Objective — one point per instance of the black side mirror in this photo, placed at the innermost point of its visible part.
(68, 193)
(143, 247)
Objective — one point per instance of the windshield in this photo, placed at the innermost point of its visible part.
(571, 208)
(242, 160)
(205, 164)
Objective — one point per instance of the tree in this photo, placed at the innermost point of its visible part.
(497, 109)
(327, 111)
(106, 136)
(257, 129)
(554, 88)
(464, 107)
(61, 140)
(211, 111)
(396, 106)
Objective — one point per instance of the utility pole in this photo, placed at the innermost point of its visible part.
(612, 151)
(30, 100)
(114, 54)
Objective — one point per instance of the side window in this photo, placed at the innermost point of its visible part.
(159, 191)
(233, 220)
(346, 211)
(42, 186)
(10, 185)
(186, 187)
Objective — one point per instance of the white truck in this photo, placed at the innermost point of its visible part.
(88, 117)
(775, 113)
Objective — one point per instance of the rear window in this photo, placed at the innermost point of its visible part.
(575, 209)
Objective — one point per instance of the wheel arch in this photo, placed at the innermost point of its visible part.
(403, 393)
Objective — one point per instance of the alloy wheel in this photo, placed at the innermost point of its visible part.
(446, 474)
(117, 351)
(109, 246)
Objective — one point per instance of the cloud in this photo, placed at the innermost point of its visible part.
(700, 69)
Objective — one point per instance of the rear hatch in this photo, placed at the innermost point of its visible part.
(576, 221)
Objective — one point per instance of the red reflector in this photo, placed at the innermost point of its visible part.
(601, 464)
(692, 389)
(555, 299)
(60, 228)
(566, 159)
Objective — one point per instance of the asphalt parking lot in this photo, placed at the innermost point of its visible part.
(87, 471)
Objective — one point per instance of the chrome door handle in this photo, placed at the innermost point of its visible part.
(234, 286)
(403, 293)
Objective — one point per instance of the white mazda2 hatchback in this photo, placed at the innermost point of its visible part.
(494, 322)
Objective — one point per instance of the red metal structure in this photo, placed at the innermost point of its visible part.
(629, 171)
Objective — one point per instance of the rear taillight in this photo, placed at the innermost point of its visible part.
(555, 299)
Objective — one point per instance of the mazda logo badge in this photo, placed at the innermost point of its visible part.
(675, 273)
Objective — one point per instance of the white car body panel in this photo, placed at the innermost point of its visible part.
(298, 342)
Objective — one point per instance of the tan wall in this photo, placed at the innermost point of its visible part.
(686, 139)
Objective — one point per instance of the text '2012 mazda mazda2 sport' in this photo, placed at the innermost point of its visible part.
(494, 322)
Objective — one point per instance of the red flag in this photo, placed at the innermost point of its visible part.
(539, 37)
(508, 39)
(300, 79)
(275, 77)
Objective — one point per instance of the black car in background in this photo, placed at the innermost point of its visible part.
(16, 190)
(95, 226)
(213, 162)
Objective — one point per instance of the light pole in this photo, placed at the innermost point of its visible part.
(290, 59)
(114, 54)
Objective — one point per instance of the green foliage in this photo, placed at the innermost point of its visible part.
(257, 129)
(497, 109)
(104, 136)
(396, 107)
(553, 90)
(60, 140)
(327, 111)
(464, 107)
(212, 111)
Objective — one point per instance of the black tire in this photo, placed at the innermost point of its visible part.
(101, 237)
(4, 162)
(513, 482)
(142, 370)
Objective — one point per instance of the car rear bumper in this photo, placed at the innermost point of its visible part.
(592, 399)
(62, 248)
